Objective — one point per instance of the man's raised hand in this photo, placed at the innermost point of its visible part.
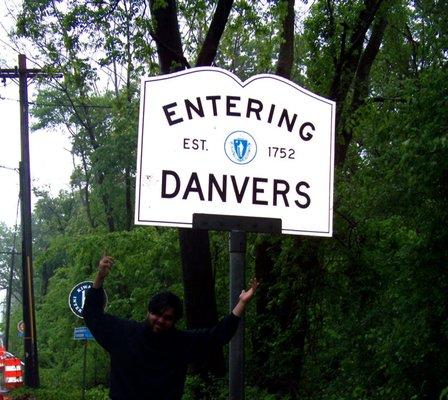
(104, 267)
(246, 296)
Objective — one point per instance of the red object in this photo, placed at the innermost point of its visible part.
(12, 370)
(2, 357)
(13, 374)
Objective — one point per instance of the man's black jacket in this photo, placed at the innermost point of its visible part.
(146, 365)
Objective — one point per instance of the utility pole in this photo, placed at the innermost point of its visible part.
(30, 341)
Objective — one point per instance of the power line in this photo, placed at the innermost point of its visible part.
(39, 104)
(9, 168)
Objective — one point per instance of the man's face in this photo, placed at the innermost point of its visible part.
(162, 322)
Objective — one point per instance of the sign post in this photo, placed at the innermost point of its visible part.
(82, 333)
(221, 154)
(237, 251)
(76, 300)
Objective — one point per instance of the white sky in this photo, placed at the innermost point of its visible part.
(50, 160)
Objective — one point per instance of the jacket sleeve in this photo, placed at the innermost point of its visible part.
(224, 331)
(104, 327)
(202, 341)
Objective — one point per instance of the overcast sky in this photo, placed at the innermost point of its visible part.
(50, 159)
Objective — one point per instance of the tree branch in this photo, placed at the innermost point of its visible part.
(166, 49)
(215, 31)
(166, 26)
(347, 70)
(286, 53)
(361, 81)
(367, 58)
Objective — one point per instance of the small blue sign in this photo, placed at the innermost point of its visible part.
(82, 333)
(77, 297)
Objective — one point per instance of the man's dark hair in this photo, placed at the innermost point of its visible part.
(161, 301)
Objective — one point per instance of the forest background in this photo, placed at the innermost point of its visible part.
(362, 315)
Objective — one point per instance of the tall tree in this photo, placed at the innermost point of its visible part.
(68, 38)
(352, 37)
(198, 277)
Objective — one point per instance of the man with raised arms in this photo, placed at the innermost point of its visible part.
(149, 359)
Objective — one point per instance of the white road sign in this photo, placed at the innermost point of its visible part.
(211, 144)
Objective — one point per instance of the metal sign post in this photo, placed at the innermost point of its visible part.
(83, 333)
(76, 300)
(238, 226)
(237, 251)
(84, 369)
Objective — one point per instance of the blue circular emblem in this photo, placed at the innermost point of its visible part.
(77, 297)
(240, 147)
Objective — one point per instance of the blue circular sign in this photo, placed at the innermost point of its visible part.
(240, 147)
(77, 297)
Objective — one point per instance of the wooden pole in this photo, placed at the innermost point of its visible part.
(30, 342)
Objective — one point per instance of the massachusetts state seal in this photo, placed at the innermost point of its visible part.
(240, 147)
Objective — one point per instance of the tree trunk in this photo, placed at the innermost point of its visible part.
(198, 278)
(211, 43)
(167, 36)
(199, 291)
(286, 53)
(346, 72)
(361, 84)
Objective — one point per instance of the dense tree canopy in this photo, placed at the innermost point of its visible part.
(362, 315)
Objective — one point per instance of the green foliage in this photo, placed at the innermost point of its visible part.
(217, 389)
(147, 261)
(63, 393)
(9, 245)
(384, 307)
(251, 39)
(359, 316)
